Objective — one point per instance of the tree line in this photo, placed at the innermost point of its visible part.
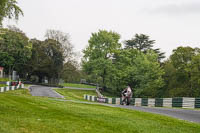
(106, 61)
(36, 60)
(136, 63)
(52, 58)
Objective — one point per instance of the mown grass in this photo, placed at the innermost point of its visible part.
(4, 79)
(27, 85)
(3, 85)
(22, 113)
(72, 94)
(77, 85)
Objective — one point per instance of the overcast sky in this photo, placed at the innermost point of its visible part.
(171, 23)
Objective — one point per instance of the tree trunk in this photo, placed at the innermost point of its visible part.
(103, 78)
(28, 77)
(40, 79)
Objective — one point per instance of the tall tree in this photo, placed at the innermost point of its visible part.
(143, 43)
(55, 60)
(9, 9)
(161, 55)
(140, 71)
(195, 75)
(15, 47)
(98, 55)
(184, 80)
(47, 60)
(63, 41)
(64, 44)
(38, 64)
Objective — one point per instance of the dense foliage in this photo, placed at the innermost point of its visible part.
(33, 59)
(98, 55)
(105, 62)
(113, 67)
(141, 71)
(15, 49)
(143, 43)
(71, 72)
(141, 66)
(183, 73)
(9, 9)
(47, 60)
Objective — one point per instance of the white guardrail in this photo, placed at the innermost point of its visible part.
(180, 102)
(9, 88)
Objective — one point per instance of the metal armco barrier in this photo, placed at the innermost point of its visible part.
(167, 102)
(188, 103)
(180, 102)
(9, 88)
(151, 102)
(177, 102)
(159, 102)
(138, 101)
(144, 101)
(197, 103)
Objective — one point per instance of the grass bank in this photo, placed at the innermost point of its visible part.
(4, 79)
(77, 85)
(72, 94)
(22, 113)
(3, 85)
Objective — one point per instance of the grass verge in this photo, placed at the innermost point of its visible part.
(3, 85)
(77, 85)
(4, 79)
(72, 94)
(22, 113)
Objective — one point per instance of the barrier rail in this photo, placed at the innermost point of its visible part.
(8, 88)
(180, 102)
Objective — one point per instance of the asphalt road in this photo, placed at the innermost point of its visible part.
(183, 114)
(44, 92)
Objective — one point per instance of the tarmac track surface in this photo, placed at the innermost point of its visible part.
(183, 114)
(44, 92)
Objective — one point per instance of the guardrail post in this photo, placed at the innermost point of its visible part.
(138, 101)
(159, 102)
(132, 101)
(189, 103)
(110, 100)
(90, 98)
(2, 89)
(177, 102)
(197, 102)
(151, 102)
(144, 102)
(167, 102)
(117, 101)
